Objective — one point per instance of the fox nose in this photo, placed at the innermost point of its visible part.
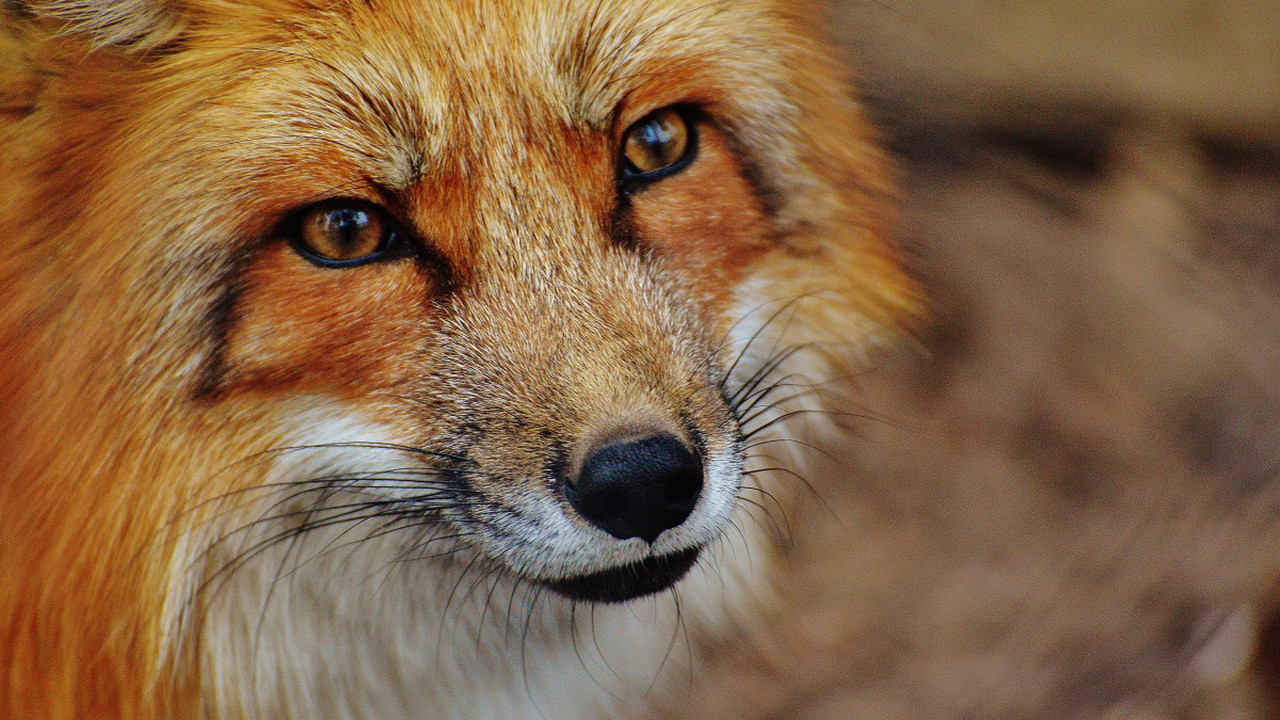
(637, 488)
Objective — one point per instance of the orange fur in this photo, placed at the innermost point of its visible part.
(158, 338)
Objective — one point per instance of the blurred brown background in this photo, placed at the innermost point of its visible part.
(1069, 506)
(1214, 65)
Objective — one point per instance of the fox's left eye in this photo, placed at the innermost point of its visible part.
(342, 232)
(658, 145)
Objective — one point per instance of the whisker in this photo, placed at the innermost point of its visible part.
(773, 528)
(755, 413)
(787, 304)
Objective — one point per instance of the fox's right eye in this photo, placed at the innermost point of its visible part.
(342, 233)
(660, 144)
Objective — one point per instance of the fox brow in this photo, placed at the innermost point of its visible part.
(617, 45)
(596, 61)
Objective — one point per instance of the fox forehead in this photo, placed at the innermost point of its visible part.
(417, 89)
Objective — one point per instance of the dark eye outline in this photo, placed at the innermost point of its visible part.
(629, 181)
(390, 247)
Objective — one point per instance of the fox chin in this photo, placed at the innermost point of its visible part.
(395, 359)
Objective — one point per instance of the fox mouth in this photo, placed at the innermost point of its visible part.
(646, 577)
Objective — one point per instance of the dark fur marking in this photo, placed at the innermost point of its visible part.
(219, 320)
(621, 230)
(770, 198)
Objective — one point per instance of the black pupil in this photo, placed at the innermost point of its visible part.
(347, 225)
(655, 134)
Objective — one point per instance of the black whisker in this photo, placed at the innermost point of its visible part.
(756, 412)
(787, 304)
(774, 529)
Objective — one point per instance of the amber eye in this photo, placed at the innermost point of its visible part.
(344, 232)
(659, 144)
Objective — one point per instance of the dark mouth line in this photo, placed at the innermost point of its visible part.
(616, 585)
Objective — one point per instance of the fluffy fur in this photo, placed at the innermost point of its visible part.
(236, 484)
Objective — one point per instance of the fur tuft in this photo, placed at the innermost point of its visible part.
(135, 24)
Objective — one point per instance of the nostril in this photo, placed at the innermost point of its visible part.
(637, 488)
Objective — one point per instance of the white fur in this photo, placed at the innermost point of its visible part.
(336, 625)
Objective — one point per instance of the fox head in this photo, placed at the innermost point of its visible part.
(312, 302)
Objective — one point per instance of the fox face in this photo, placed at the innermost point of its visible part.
(349, 310)
(555, 388)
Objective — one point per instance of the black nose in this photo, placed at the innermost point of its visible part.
(637, 488)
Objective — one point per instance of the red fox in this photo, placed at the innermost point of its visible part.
(413, 359)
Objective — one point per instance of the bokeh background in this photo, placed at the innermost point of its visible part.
(1067, 503)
